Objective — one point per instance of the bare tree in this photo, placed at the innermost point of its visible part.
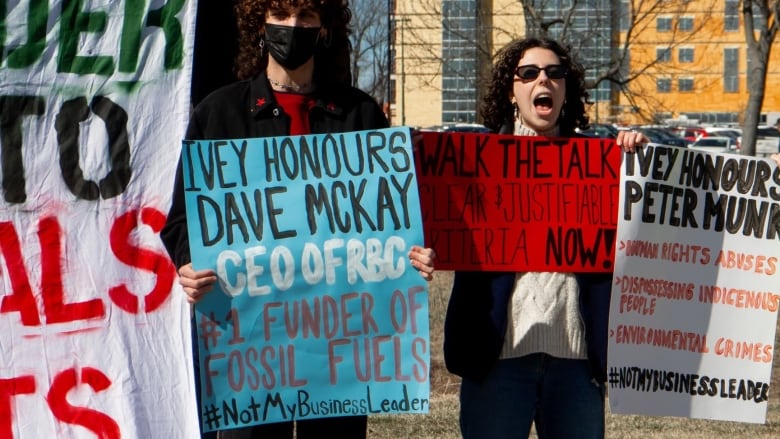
(629, 22)
(370, 46)
(427, 16)
(760, 21)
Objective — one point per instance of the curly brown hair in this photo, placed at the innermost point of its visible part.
(331, 60)
(497, 109)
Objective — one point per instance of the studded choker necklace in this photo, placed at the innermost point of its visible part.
(289, 87)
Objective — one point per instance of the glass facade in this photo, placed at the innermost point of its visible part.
(685, 55)
(663, 54)
(663, 24)
(713, 117)
(731, 15)
(460, 32)
(685, 84)
(625, 19)
(450, 43)
(663, 85)
(590, 34)
(731, 70)
(685, 24)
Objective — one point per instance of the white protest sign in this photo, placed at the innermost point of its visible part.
(767, 145)
(94, 101)
(696, 285)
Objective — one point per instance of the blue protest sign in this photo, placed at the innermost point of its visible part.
(317, 311)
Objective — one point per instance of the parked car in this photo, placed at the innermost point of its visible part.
(767, 140)
(734, 133)
(690, 134)
(600, 130)
(465, 128)
(658, 135)
(767, 131)
(717, 131)
(716, 144)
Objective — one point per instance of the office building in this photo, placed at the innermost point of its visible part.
(686, 60)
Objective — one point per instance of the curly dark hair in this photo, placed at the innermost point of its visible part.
(332, 58)
(497, 109)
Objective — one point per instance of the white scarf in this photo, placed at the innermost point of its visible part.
(522, 130)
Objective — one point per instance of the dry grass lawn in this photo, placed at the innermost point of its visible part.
(442, 421)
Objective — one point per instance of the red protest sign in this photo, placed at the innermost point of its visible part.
(509, 203)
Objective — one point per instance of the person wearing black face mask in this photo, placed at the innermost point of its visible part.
(291, 46)
(294, 78)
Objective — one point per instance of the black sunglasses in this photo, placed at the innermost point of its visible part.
(531, 72)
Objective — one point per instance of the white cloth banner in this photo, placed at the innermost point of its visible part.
(696, 285)
(94, 101)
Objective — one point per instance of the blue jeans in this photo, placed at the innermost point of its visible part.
(345, 427)
(558, 395)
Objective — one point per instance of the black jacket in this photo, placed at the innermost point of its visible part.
(476, 321)
(247, 109)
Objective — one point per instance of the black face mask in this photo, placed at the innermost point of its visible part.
(291, 46)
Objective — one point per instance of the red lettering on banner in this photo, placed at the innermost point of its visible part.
(141, 258)
(21, 298)
(54, 307)
(8, 389)
(97, 422)
(102, 425)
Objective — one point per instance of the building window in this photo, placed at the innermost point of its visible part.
(663, 24)
(731, 70)
(593, 48)
(625, 20)
(685, 84)
(685, 24)
(663, 85)
(625, 65)
(663, 54)
(460, 28)
(731, 16)
(685, 55)
(759, 19)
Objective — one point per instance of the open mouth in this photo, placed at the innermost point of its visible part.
(543, 104)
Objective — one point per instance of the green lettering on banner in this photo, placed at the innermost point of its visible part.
(74, 22)
(27, 54)
(165, 17)
(130, 44)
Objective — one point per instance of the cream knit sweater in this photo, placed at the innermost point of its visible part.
(544, 316)
(544, 313)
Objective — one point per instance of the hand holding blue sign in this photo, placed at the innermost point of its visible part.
(196, 283)
(423, 260)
